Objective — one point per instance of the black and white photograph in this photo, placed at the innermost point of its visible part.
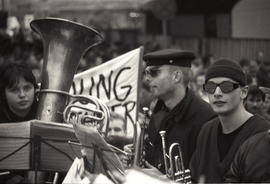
(134, 91)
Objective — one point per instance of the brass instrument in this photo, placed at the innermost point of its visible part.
(64, 42)
(139, 136)
(175, 169)
(136, 156)
(89, 111)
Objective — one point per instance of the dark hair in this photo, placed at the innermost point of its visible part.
(256, 92)
(244, 62)
(10, 73)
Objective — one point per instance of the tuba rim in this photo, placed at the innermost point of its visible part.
(34, 28)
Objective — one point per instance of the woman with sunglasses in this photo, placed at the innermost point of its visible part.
(219, 139)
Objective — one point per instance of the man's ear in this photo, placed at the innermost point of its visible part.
(177, 76)
(244, 92)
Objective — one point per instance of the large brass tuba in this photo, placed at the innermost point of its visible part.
(64, 42)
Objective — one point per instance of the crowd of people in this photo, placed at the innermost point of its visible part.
(217, 110)
(25, 47)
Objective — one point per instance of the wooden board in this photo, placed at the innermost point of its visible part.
(48, 150)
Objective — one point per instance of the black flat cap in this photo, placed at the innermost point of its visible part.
(169, 57)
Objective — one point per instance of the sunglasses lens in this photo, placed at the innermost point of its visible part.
(153, 72)
(227, 86)
(210, 87)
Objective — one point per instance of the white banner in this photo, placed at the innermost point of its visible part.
(116, 83)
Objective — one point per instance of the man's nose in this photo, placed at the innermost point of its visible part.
(217, 91)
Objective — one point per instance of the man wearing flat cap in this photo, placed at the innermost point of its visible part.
(178, 110)
(220, 139)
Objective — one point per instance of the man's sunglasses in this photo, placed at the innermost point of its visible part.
(153, 71)
(225, 87)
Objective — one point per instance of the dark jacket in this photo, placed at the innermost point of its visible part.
(206, 162)
(252, 161)
(263, 77)
(182, 125)
(7, 116)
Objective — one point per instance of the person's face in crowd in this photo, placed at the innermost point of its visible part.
(254, 104)
(160, 80)
(20, 97)
(116, 128)
(196, 67)
(227, 97)
(253, 68)
(260, 56)
(200, 79)
(266, 104)
(246, 69)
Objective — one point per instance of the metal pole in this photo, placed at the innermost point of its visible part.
(164, 33)
(3, 4)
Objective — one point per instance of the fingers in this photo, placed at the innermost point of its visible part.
(147, 165)
(125, 160)
(128, 148)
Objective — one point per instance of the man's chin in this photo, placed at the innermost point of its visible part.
(222, 112)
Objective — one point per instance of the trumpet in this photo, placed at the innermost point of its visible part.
(139, 135)
(175, 169)
(136, 153)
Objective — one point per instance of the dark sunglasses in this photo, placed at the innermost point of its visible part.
(153, 72)
(225, 87)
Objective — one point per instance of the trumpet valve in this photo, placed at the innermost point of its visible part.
(183, 176)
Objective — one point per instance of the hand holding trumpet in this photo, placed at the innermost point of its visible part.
(148, 168)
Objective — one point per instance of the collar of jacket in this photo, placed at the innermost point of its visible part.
(179, 111)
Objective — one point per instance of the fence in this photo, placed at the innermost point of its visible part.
(218, 47)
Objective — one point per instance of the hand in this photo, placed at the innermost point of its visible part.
(153, 171)
(128, 148)
(127, 159)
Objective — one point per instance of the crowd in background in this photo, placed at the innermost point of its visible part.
(25, 46)
(257, 74)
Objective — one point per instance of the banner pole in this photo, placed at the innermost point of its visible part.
(139, 81)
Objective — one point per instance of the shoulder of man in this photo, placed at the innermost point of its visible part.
(253, 140)
(203, 108)
(209, 125)
(260, 124)
(247, 158)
